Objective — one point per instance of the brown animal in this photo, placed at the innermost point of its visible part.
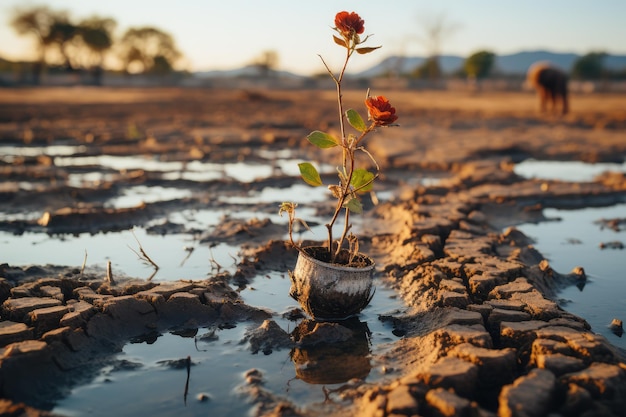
(551, 84)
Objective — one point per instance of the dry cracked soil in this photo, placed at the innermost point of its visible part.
(483, 335)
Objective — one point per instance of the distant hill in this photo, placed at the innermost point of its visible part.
(512, 64)
(243, 72)
(518, 63)
(448, 63)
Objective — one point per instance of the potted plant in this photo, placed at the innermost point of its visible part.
(334, 281)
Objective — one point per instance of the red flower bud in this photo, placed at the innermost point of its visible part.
(380, 111)
(349, 24)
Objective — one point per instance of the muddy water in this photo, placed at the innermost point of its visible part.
(178, 256)
(572, 238)
(148, 373)
(574, 171)
(147, 378)
(575, 238)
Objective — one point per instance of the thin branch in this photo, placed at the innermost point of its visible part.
(360, 148)
(152, 275)
(214, 263)
(189, 250)
(328, 69)
(142, 253)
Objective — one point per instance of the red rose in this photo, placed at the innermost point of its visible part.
(349, 23)
(380, 111)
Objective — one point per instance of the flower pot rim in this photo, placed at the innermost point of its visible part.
(337, 267)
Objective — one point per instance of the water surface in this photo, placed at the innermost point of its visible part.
(574, 238)
(146, 385)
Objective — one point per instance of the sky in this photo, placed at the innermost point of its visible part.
(227, 34)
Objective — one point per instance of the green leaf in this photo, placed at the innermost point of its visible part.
(340, 41)
(355, 120)
(309, 174)
(366, 50)
(354, 205)
(322, 140)
(360, 177)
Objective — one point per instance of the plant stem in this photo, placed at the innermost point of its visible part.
(344, 194)
(340, 97)
(345, 232)
(344, 145)
(348, 158)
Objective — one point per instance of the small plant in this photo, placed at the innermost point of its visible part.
(353, 180)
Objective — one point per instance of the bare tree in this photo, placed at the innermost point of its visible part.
(436, 30)
(395, 67)
(267, 62)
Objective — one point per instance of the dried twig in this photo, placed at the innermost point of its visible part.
(142, 254)
(82, 268)
(214, 263)
(189, 250)
(234, 258)
(152, 275)
(188, 363)
(109, 275)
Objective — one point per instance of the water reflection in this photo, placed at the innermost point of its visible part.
(9, 152)
(601, 298)
(331, 352)
(565, 170)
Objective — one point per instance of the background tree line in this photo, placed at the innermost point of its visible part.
(480, 65)
(85, 44)
(91, 44)
(437, 28)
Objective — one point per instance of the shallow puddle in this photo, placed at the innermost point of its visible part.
(73, 157)
(147, 377)
(297, 192)
(178, 256)
(8, 153)
(579, 238)
(134, 196)
(146, 383)
(574, 171)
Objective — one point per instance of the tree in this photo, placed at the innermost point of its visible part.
(62, 32)
(267, 62)
(589, 66)
(429, 69)
(161, 65)
(96, 35)
(36, 21)
(479, 64)
(140, 48)
(436, 30)
(56, 32)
